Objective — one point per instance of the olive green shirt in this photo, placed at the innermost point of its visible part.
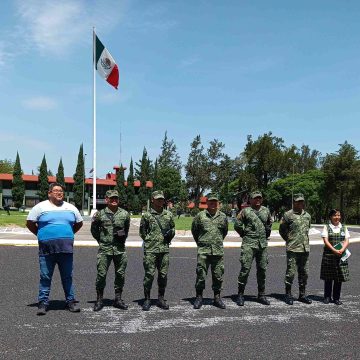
(209, 232)
(102, 229)
(151, 233)
(294, 229)
(254, 226)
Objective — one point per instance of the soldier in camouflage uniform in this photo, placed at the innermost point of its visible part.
(110, 227)
(209, 229)
(253, 224)
(294, 229)
(157, 229)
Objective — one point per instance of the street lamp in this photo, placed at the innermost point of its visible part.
(83, 192)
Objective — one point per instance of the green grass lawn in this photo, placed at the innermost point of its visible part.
(15, 218)
(184, 223)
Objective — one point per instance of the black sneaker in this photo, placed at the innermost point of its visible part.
(327, 300)
(42, 308)
(72, 307)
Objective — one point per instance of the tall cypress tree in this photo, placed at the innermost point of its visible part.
(130, 190)
(144, 173)
(43, 181)
(60, 178)
(18, 185)
(120, 187)
(79, 178)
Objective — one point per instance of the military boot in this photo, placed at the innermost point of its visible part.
(302, 297)
(288, 297)
(147, 302)
(240, 297)
(99, 300)
(118, 302)
(161, 303)
(198, 301)
(218, 301)
(262, 299)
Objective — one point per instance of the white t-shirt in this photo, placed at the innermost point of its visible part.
(335, 229)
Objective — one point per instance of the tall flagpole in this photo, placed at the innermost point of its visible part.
(94, 122)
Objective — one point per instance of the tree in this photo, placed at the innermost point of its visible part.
(155, 175)
(169, 158)
(196, 168)
(43, 180)
(278, 195)
(6, 166)
(342, 170)
(120, 186)
(144, 173)
(18, 185)
(169, 181)
(130, 190)
(79, 179)
(265, 158)
(60, 178)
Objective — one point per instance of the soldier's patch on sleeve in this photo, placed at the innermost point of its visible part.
(95, 217)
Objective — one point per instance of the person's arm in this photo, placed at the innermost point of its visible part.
(283, 229)
(77, 226)
(143, 229)
(226, 228)
(172, 227)
(346, 241)
(239, 224)
(127, 225)
(195, 229)
(95, 227)
(32, 226)
(329, 246)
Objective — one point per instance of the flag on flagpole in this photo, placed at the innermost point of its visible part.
(105, 64)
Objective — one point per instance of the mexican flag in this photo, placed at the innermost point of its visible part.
(105, 64)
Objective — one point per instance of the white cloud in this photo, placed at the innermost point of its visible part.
(40, 103)
(12, 138)
(189, 61)
(56, 27)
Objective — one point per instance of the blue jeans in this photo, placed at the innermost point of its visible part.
(47, 266)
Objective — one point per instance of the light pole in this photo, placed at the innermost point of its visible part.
(83, 192)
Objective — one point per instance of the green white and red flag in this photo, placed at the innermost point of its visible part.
(105, 64)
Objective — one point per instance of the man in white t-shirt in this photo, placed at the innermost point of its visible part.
(55, 222)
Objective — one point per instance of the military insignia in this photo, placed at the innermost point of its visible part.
(106, 63)
(342, 233)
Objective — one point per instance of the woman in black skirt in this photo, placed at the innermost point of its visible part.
(334, 271)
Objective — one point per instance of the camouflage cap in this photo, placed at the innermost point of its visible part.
(112, 193)
(299, 197)
(255, 194)
(213, 196)
(158, 195)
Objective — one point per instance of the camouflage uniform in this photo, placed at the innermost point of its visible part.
(294, 229)
(254, 226)
(156, 248)
(209, 233)
(104, 228)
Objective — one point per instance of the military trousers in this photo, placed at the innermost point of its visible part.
(247, 256)
(297, 261)
(103, 263)
(217, 271)
(153, 262)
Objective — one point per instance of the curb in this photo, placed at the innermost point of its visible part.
(138, 244)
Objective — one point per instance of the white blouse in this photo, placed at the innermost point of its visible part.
(335, 229)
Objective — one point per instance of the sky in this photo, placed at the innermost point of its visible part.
(222, 69)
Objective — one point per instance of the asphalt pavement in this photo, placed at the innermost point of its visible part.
(255, 331)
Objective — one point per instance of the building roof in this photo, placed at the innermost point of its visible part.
(70, 180)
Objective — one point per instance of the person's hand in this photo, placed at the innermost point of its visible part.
(337, 252)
